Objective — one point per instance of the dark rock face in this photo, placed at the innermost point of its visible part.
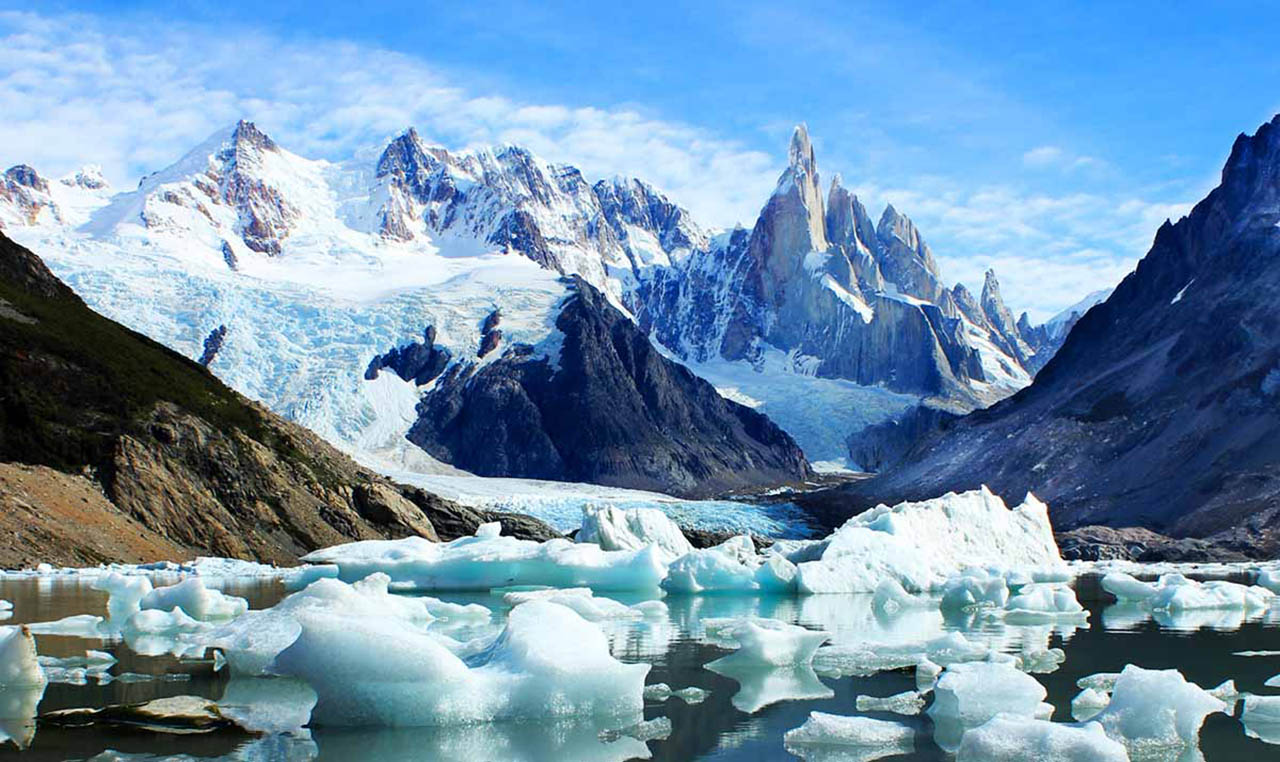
(212, 344)
(610, 409)
(816, 277)
(182, 459)
(229, 256)
(265, 217)
(1162, 408)
(417, 362)
(490, 336)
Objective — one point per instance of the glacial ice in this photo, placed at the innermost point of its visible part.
(19, 666)
(251, 641)
(1174, 593)
(587, 605)
(1156, 708)
(921, 544)
(1088, 703)
(489, 560)
(773, 643)
(971, 693)
(908, 703)
(196, 600)
(1012, 738)
(616, 529)
(267, 705)
(547, 662)
(661, 692)
(856, 738)
(1261, 718)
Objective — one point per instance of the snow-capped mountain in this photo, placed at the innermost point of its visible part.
(1161, 408)
(288, 276)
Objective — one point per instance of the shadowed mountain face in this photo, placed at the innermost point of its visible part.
(1162, 408)
(604, 406)
(118, 433)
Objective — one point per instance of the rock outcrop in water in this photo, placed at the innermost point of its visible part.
(1162, 408)
(121, 435)
(604, 406)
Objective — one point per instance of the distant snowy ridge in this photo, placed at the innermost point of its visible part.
(315, 267)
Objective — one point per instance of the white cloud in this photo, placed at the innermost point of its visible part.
(75, 90)
(1043, 156)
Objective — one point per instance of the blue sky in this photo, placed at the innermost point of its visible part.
(1047, 140)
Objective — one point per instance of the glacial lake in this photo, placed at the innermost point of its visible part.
(744, 717)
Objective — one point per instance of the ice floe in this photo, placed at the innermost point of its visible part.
(1155, 710)
(969, 694)
(834, 736)
(548, 661)
(632, 529)
(1012, 738)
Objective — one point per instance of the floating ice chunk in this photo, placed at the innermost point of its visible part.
(1261, 718)
(125, 593)
(1087, 704)
(927, 675)
(1228, 693)
(854, 738)
(6, 605)
(1127, 588)
(774, 643)
(19, 666)
(1042, 661)
(587, 605)
(1273, 681)
(579, 739)
(657, 729)
(869, 658)
(971, 693)
(891, 597)
(548, 661)
(919, 544)
(253, 639)
(1156, 708)
(1270, 579)
(633, 529)
(196, 600)
(710, 570)
(740, 548)
(908, 703)
(1104, 682)
(1177, 593)
(18, 713)
(159, 622)
(1044, 602)
(489, 560)
(974, 589)
(77, 626)
(1011, 738)
(760, 685)
(662, 692)
(267, 705)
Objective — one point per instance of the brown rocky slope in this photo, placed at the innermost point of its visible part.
(131, 452)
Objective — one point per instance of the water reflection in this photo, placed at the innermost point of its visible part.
(872, 651)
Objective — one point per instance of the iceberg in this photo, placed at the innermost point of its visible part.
(19, 665)
(1011, 738)
(770, 642)
(489, 560)
(587, 605)
(547, 662)
(969, 694)
(921, 544)
(195, 600)
(849, 738)
(907, 703)
(1156, 708)
(632, 529)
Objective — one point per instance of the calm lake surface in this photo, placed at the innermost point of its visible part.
(743, 718)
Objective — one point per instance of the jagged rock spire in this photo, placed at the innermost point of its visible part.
(800, 155)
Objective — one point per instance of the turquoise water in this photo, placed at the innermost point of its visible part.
(744, 716)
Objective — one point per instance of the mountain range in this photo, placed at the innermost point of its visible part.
(1162, 407)
(294, 279)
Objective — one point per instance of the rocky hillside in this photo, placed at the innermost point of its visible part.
(603, 406)
(1162, 408)
(117, 433)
